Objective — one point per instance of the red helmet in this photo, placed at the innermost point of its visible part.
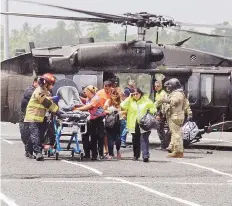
(50, 79)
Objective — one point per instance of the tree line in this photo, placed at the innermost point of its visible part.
(69, 33)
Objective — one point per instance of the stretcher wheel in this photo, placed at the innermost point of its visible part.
(72, 153)
(81, 156)
(57, 156)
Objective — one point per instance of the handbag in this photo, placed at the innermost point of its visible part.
(148, 122)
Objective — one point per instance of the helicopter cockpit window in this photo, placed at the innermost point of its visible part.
(143, 81)
(206, 89)
(193, 84)
(85, 80)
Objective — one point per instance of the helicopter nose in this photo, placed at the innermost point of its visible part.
(156, 55)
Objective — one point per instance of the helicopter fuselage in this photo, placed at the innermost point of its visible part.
(206, 77)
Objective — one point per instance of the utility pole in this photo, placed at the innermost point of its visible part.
(6, 32)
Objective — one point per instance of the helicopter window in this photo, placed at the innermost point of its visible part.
(85, 80)
(143, 81)
(206, 89)
(193, 89)
(221, 86)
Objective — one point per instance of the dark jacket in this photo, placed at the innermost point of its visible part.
(26, 97)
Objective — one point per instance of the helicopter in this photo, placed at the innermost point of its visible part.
(206, 77)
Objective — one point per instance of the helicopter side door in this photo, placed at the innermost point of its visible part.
(208, 94)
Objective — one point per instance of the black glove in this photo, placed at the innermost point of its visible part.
(190, 118)
(59, 113)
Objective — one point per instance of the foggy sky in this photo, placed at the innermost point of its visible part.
(194, 11)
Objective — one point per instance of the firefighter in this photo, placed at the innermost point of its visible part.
(22, 127)
(160, 94)
(38, 105)
(174, 107)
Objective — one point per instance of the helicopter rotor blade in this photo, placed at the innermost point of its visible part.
(205, 25)
(97, 14)
(58, 17)
(200, 33)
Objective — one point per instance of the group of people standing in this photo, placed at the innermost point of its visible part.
(113, 114)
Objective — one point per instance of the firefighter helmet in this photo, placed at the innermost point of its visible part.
(49, 78)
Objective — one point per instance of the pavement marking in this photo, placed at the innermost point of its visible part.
(4, 140)
(108, 182)
(7, 200)
(216, 140)
(81, 181)
(229, 182)
(154, 191)
(84, 166)
(207, 168)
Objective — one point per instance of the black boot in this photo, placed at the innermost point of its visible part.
(145, 159)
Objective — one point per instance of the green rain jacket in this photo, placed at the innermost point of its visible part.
(136, 110)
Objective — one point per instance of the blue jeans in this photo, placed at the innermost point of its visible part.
(113, 138)
(123, 131)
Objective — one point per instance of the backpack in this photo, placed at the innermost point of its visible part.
(112, 121)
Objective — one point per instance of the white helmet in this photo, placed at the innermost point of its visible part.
(190, 131)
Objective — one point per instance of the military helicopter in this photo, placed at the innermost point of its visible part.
(206, 77)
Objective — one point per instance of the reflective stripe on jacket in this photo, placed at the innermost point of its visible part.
(38, 106)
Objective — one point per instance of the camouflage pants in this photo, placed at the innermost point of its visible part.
(175, 127)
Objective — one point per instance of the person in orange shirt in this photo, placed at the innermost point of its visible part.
(104, 95)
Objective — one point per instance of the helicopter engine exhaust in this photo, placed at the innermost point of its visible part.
(116, 55)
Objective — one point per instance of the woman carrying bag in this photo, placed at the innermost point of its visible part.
(113, 122)
(137, 105)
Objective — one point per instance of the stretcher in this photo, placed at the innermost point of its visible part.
(76, 122)
(71, 124)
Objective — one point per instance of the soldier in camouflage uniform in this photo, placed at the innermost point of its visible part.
(175, 106)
